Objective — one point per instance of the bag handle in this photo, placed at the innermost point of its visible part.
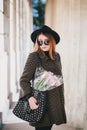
(39, 61)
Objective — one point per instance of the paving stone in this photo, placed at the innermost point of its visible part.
(26, 126)
(14, 123)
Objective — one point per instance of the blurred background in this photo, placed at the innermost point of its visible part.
(18, 18)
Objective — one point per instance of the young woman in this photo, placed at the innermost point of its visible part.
(45, 40)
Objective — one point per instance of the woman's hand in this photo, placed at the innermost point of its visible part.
(33, 103)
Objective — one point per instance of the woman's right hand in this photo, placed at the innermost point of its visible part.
(33, 103)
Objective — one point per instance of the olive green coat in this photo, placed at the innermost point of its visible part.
(55, 98)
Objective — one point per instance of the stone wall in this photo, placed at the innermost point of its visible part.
(15, 28)
(3, 66)
(69, 19)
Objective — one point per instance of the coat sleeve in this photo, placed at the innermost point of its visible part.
(27, 76)
(61, 88)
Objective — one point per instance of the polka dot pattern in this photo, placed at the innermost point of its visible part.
(23, 110)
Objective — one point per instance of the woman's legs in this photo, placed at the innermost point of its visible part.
(43, 128)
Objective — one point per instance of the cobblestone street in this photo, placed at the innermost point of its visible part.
(14, 123)
(25, 126)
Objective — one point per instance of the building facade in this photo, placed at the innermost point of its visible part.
(69, 19)
(15, 28)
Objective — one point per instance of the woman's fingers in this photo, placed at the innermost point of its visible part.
(33, 103)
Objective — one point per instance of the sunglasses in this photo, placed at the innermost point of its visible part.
(46, 42)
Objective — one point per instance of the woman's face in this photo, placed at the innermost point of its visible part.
(43, 42)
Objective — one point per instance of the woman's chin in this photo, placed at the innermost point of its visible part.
(44, 49)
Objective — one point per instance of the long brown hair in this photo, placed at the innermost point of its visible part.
(52, 45)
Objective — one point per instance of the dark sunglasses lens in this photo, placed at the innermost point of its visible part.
(46, 42)
(40, 43)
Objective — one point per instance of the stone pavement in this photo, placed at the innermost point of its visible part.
(14, 123)
(25, 126)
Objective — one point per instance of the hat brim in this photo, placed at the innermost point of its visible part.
(45, 29)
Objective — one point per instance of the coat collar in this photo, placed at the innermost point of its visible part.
(45, 57)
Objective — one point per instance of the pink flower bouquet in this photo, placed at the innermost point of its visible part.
(47, 81)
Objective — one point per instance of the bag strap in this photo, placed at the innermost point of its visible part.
(39, 65)
(39, 61)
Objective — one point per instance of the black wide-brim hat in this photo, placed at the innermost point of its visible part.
(45, 30)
